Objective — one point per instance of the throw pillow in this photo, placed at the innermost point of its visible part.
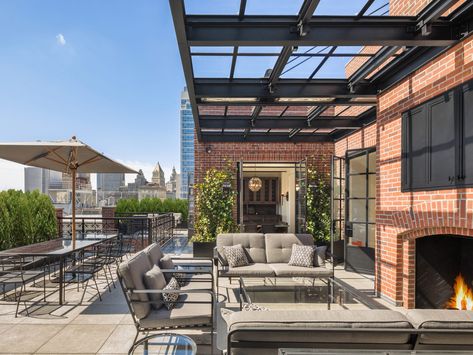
(236, 256)
(320, 255)
(170, 299)
(166, 263)
(252, 307)
(154, 280)
(302, 255)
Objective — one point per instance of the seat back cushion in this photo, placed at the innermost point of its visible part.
(154, 280)
(453, 321)
(154, 253)
(132, 271)
(279, 245)
(253, 243)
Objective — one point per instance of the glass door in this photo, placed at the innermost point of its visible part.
(360, 200)
(337, 204)
(301, 190)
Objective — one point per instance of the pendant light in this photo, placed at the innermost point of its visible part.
(255, 183)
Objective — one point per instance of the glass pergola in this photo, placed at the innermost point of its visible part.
(301, 71)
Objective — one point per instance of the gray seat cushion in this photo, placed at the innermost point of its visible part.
(132, 271)
(254, 270)
(285, 270)
(154, 280)
(443, 319)
(313, 321)
(279, 245)
(253, 243)
(182, 314)
(154, 253)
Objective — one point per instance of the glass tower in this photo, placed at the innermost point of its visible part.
(187, 145)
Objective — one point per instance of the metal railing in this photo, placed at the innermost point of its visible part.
(144, 228)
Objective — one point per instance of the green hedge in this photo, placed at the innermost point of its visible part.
(26, 218)
(153, 205)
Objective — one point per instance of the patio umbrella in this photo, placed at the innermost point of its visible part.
(71, 156)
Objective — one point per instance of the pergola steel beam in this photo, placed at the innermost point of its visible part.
(273, 122)
(271, 137)
(229, 30)
(432, 12)
(371, 65)
(178, 16)
(234, 102)
(289, 88)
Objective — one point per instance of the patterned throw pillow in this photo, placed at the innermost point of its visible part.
(302, 255)
(166, 263)
(236, 256)
(170, 299)
(253, 307)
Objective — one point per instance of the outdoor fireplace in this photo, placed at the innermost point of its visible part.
(444, 272)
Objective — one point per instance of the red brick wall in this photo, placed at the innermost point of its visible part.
(362, 138)
(319, 154)
(402, 217)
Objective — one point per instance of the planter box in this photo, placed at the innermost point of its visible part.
(204, 249)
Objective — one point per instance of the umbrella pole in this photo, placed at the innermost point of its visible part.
(74, 171)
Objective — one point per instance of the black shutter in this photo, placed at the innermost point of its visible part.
(441, 157)
(466, 174)
(418, 147)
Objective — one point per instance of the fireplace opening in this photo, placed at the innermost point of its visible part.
(444, 272)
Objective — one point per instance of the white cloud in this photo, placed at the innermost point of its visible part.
(12, 175)
(60, 40)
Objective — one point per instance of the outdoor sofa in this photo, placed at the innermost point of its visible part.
(194, 308)
(268, 255)
(264, 332)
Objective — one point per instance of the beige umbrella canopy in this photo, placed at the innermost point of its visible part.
(71, 156)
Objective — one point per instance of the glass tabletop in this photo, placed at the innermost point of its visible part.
(297, 293)
(165, 343)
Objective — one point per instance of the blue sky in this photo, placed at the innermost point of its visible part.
(106, 71)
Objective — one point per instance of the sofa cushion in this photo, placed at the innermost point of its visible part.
(313, 320)
(154, 253)
(253, 243)
(443, 319)
(279, 245)
(182, 313)
(132, 271)
(302, 255)
(254, 270)
(236, 256)
(166, 263)
(154, 280)
(285, 270)
(320, 253)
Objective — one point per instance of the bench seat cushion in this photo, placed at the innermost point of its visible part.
(313, 321)
(255, 270)
(181, 314)
(443, 319)
(285, 270)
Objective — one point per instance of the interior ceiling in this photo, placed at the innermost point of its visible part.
(303, 76)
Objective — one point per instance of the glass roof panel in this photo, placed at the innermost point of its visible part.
(211, 67)
(334, 68)
(240, 110)
(272, 110)
(212, 7)
(348, 49)
(211, 110)
(253, 67)
(250, 49)
(297, 111)
(300, 67)
(272, 7)
(339, 8)
(206, 49)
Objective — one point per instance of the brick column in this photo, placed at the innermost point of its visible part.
(59, 215)
(109, 225)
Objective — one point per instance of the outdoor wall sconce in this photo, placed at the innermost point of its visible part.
(298, 187)
(285, 196)
(208, 149)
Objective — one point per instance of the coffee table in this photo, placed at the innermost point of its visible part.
(288, 293)
(164, 343)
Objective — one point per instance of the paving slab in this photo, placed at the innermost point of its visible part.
(26, 338)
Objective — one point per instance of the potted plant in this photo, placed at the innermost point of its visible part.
(214, 202)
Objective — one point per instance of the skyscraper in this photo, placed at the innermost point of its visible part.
(108, 185)
(187, 144)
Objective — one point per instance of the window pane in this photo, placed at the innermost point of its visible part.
(358, 164)
(357, 211)
(372, 162)
(371, 235)
(371, 211)
(359, 235)
(372, 186)
(358, 186)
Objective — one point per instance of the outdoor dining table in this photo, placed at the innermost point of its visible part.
(59, 248)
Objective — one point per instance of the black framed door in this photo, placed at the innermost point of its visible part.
(360, 211)
(337, 203)
(301, 191)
